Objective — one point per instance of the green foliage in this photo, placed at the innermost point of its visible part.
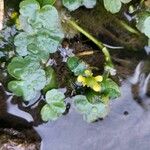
(29, 77)
(95, 105)
(51, 79)
(54, 106)
(143, 23)
(110, 88)
(42, 30)
(76, 66)
(40, 36)
(114, 6)
(90, 111)
(75, 4)
(46, 2)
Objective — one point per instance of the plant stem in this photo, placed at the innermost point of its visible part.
(89, 36)
(127, 27)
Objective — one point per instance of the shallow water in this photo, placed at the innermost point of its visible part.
(127, 127)
(117, 131)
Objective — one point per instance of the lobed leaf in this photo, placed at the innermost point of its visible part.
(55, 105)
(42, 30)
(91, 111)
(30, 78)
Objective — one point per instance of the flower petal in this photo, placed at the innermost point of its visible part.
(97, 87)
(99, 78)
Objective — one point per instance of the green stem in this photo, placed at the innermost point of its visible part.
(127, 27)
(89, 36)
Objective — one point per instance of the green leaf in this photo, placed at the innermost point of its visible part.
(93, 97)
(45, 18)
(46, 2)
(54, 95)
(81, 103)
(72, 62)
(79, 70)
(143, 23)
(55, 105)
(110, 88)
(97, 111)
(39, 45)
(114, 6)
(28, 8)
(51, 79)
(76, 66)
(42, 30)
(21, 67)
(47, 113)
(91, 111)
(30, 78)
(75, 4)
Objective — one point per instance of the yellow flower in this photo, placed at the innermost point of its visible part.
(96, 87)
(80, 78)
(99, 78)
(90, 81)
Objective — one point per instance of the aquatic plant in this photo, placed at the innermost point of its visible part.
(40, 33)
(54, 106)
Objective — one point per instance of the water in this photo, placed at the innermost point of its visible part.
(127, 126)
